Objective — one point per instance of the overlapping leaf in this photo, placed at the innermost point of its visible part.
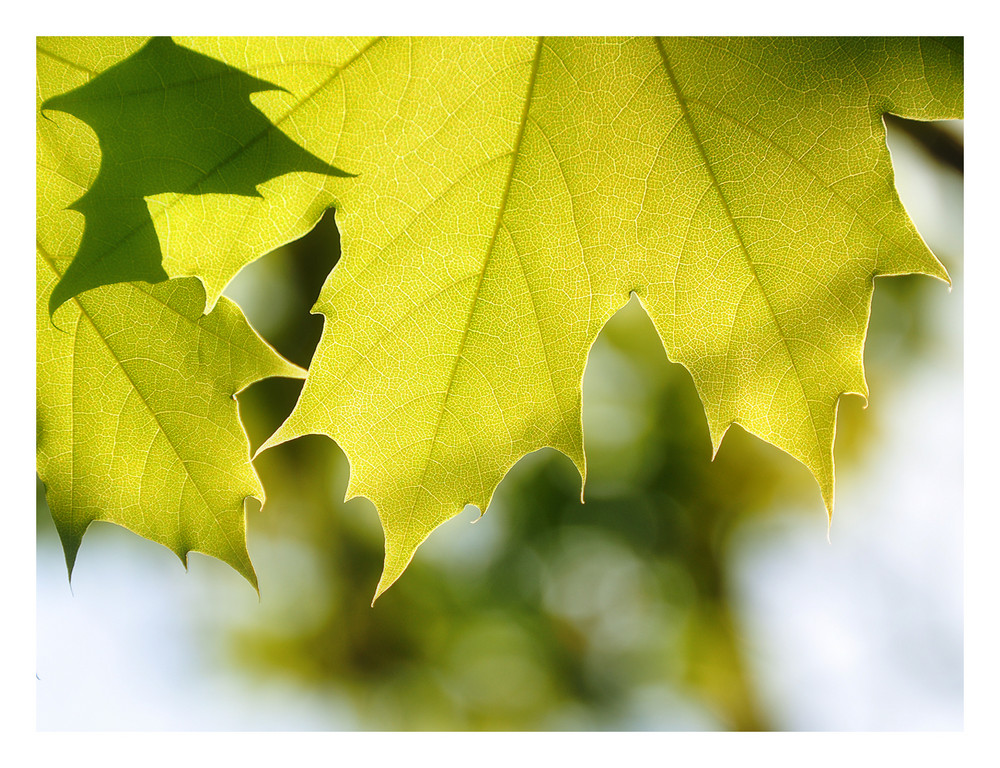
(137, 419)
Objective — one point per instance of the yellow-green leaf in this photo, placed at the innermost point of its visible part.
(512, 193)
(137, 418)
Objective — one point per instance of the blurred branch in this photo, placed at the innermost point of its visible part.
(940, 144)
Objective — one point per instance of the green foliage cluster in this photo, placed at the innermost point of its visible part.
(500, 200)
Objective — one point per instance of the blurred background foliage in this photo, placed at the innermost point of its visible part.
(620, 613)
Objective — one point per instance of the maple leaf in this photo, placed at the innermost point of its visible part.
(137, 418)
(513, 193)
(171, 124)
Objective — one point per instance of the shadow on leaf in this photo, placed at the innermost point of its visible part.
(168, 120)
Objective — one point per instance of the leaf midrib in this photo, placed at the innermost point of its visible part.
(515, 154)
(798, 161)
(709, 169)
(64, 61)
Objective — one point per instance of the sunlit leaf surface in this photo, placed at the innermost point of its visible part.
(512, 194)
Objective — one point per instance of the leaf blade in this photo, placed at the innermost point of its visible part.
(137, 417)
(720, 190)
